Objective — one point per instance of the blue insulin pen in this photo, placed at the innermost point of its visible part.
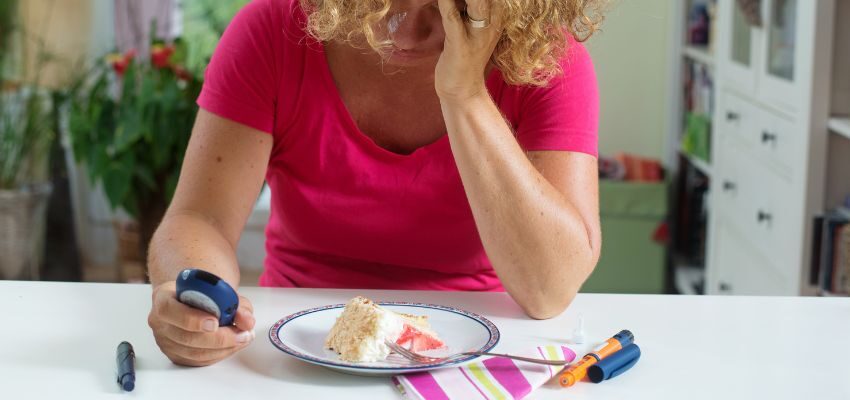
(205, 291)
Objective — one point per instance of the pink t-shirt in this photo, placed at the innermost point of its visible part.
(347, 213)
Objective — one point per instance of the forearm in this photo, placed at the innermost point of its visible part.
(188, 240)
(536, 240)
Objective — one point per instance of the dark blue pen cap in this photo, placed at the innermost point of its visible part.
(126, 359)
(615, 364)
(625, 337)
(128, 382)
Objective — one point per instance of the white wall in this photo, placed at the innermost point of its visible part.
(634, 68)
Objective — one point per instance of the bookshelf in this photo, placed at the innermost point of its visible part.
(742, 209)
(700, 54)
(837, 191)
(694, 97)
(840, 126)
(701, 165)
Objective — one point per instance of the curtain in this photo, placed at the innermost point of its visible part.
(133, 20)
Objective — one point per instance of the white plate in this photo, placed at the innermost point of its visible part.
(302, 335)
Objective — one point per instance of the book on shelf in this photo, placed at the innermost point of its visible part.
(831, 254)
(841, 261)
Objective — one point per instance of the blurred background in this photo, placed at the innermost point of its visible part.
(724, 140)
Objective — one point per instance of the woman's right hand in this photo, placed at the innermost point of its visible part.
(192, 337)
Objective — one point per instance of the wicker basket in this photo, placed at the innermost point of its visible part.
(23, 215)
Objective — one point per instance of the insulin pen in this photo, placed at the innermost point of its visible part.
(125, 360)
(578, 371)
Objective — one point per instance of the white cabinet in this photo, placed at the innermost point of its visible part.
(742, 270)
(768, 146)
(769, 62)
(737, 46)
(783, 65)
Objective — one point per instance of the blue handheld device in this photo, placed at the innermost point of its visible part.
(205, 291)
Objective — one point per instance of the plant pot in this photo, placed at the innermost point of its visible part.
(134, 239)
(23, 214)
(131, 260)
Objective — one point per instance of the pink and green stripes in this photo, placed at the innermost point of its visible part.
(494, 378)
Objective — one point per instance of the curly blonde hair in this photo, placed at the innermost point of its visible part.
(533, 40)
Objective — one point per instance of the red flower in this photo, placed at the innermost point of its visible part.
(160, 55)
(120, 62)
(181, 73)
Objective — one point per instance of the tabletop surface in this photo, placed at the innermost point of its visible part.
(58, 341)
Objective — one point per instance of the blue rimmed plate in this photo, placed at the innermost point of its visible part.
(302, 335)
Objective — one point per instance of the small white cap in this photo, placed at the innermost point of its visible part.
(578, 333)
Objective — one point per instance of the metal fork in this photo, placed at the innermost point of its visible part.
(423, 359)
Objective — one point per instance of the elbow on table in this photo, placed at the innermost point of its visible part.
(545, 307)
(551, 302)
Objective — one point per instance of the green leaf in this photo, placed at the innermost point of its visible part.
(131, 206)
(146, 106)
(146, 177)
(78, 128)
(128, 132)
(180, 52)
(99, 161)
(128, 87)
(116, 184)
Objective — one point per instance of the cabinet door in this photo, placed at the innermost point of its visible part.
(752, 231)
(735, 122)
(737, 48)
(740, 270)
(780, 144)
(789, 26)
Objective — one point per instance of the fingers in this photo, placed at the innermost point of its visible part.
(193, 356)
(227, 337)
(245, 315)
(167, 309)
(453, 22)
(478, 9)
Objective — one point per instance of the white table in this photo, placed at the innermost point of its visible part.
(58, 341)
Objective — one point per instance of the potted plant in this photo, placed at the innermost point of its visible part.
(26, 135)
(129, 123)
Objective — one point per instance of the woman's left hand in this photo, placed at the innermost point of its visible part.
(460, 70)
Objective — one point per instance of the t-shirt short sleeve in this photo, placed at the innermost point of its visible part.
(240, 82)
(564, 115)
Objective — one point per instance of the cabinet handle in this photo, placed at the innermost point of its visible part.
(764, 216)
(767, 136)
(729, 186)
(724, 287)
(732, 116)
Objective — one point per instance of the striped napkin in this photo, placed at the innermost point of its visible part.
(493, 378)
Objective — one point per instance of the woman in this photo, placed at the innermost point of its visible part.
(408, 144)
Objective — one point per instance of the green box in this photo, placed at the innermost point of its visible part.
(630, 261)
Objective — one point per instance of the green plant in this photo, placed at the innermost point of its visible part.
(8, 8)
(26, 133)
(26, 112)
(204, 22)
(130, 124)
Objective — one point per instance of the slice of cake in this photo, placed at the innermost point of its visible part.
(358, 334)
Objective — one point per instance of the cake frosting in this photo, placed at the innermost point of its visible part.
(360, 332)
